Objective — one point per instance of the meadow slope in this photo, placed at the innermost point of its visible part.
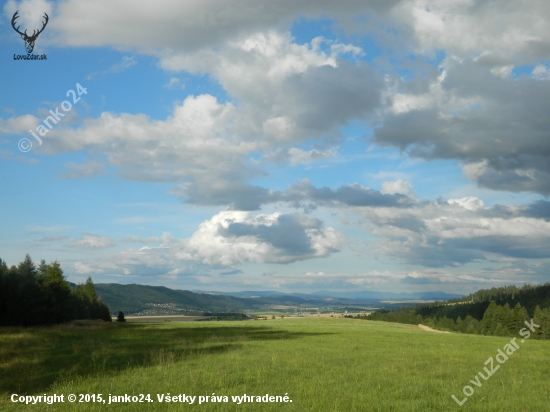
(323, 364)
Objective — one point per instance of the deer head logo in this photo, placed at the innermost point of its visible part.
(29, 40)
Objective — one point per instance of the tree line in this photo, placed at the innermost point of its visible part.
(478, 316)
(528, 296)
(31, 295)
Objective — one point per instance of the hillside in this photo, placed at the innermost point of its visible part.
(498, 312)
(161, 300)
(322, 364)
(477, 303)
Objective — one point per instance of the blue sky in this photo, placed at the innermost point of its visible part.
(293, 146)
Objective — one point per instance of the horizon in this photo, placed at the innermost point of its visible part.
(396, 147)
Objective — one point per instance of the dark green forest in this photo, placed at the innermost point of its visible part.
(31, 295)
(497, 312)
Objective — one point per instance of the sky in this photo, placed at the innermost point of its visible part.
(294, 146)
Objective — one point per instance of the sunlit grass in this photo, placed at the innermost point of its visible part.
(325, 364)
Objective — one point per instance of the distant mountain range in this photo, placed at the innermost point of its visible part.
(160, 300)
(362, 295)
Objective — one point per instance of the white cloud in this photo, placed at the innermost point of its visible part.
(185, 26)
(399, 186)
(495, 125)
(459, 231)
(228, 238)
(285, 93)
(288, 91)
(18, 125)
(82, 268)
(237, 237)
(507, 28)
(468, 203)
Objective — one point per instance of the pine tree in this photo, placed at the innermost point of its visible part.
(89, 306)
(57, 292)
(520, 316)
(489, 321)
(542, 317)
(509, 319)
(30, 303)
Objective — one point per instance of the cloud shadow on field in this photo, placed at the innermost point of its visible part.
(33, 359)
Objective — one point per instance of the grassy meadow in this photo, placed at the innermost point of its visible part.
(323, 364)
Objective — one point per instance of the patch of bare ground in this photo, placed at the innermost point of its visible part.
(428, 329)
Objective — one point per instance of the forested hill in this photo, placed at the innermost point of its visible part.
(149, 300)
(504, 315)
(477, 303)
(159, 299)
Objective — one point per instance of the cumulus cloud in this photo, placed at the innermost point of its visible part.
(227, 239)
(399, 186)
(507, 29)
(474, 108)
(186, 26)
(18, 125)
(459, 231)
(496, 126)
(461, 27)
(468, 203)
(288, 91)
(237, 237)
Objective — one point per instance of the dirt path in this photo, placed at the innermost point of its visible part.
(428, 329)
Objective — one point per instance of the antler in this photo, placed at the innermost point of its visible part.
(44, 25)
(34, 33)
(13, 24)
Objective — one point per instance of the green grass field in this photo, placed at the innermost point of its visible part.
(323, 364)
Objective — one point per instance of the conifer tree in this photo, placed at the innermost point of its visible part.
(57, 292)
(542, 317)
(489, 324)
(520, 316)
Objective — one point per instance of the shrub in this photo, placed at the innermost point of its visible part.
(120, 317)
